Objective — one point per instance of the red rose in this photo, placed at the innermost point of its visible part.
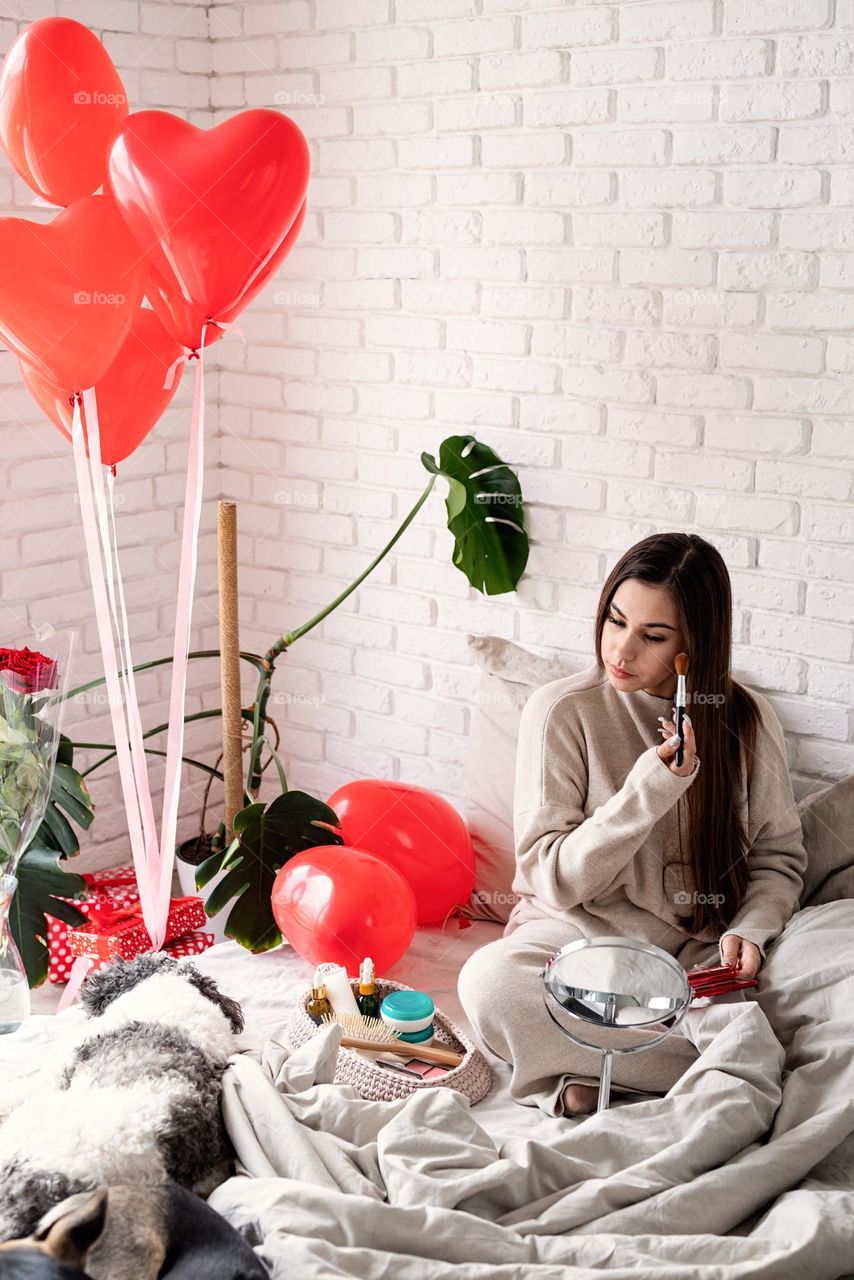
(29, 672)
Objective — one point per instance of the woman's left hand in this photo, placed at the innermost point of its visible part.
(745, 955)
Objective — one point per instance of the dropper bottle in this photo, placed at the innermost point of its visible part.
(368, 999)
(319, 1004)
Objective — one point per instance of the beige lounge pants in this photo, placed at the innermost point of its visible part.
(501, 990)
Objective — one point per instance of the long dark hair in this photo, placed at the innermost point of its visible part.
(723, 713)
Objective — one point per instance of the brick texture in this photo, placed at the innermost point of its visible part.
(614, 241)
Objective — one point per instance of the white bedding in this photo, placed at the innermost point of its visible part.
(746, 1169)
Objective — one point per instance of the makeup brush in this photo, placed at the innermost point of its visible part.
(681, 662)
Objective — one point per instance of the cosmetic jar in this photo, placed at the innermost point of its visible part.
(411, 1014)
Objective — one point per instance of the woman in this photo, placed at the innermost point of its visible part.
(612, 838)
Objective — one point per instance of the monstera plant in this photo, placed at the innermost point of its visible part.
(485, 515)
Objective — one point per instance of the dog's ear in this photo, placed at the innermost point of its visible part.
(102, 988)
(211, 991)
(69, 1230)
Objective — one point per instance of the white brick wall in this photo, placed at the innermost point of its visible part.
(614, 240)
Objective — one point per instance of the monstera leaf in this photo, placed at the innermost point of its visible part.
(485, 513)
(42, 883)
(264, 840)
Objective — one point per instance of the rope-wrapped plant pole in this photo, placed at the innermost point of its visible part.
(229, 644)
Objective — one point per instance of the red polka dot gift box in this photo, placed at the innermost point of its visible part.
(116, 887)
(119, 931)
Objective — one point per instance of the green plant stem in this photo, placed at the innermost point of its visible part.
(285, 641)
(254, 659)
(111, 752)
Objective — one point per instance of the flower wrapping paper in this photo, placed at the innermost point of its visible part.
(114, 887)
(130, 938)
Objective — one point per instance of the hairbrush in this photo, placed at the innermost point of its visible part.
(374, 1034)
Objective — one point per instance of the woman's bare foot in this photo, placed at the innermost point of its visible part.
(580, 1099)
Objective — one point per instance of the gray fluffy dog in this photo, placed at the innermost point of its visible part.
(137, 1102)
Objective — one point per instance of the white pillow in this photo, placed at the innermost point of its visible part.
(508, 676)
(827, 818)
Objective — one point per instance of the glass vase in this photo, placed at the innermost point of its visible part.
(14, 989)
(33, 684)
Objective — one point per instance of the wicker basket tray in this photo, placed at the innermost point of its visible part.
(473, 1076)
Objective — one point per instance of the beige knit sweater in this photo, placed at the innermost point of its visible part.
(595, 812)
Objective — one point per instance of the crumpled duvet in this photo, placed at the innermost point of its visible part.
(745, 1169)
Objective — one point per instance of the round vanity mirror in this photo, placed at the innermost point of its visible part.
(615, 983)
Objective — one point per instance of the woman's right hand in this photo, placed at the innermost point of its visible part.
(667, 750)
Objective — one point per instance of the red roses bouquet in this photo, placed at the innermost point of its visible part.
(27, 672)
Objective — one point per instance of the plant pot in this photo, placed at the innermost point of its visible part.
(187, 880)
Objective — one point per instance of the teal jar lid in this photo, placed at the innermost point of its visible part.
(407, 1006)
(416, 1037)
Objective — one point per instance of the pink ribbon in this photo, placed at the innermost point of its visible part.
(153, 864)
(92, 528)
(76, 978)
(190, 353)
(180, 651)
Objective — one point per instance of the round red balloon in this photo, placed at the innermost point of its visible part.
(131, 395)
(61, 104)
(341, 904)
(415, 831)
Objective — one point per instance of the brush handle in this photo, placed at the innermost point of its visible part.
(426, 1052)
(680, 750)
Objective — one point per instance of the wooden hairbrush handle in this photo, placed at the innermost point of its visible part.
(426, 1052)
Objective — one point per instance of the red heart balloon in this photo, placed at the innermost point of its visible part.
(342, 905)
(131, 395)
(69, 289)
(209, 208)
(180, 318)
(61, 102)
(416, 831)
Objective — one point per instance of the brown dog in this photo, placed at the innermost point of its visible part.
(131, 1233)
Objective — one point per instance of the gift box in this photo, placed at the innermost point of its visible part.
(191, 945)
(114, 887)
(119, 931)
(112, 877)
